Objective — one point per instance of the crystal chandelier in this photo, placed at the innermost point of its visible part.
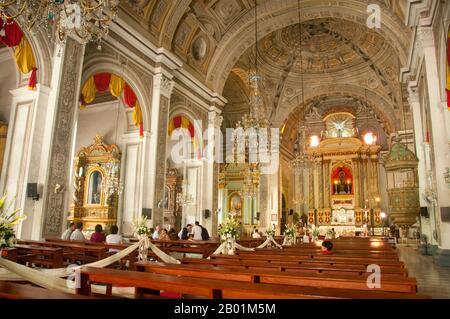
(252, 127)
(184, 198)
(112, 184)
(87, 20)
(302, 160)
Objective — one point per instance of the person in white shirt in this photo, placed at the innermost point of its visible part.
(156, 233)
(77, 235)
(68, 232)
(256, 234)
(197, 231)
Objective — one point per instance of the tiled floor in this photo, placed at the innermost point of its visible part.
(431, 279)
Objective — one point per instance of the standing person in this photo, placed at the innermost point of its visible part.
(98, 236)
(205, 234)
(157, 232)
(77, 235)
(197, 231)
(68, 232)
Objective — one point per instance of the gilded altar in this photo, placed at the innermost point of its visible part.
(343, 182)
(96, 185)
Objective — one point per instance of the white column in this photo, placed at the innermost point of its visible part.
(440, 149)
(427, 224)
(161, 92)
(209, 194)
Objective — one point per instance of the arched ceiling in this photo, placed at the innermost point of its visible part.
(342, 57)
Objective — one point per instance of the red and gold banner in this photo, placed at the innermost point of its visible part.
(114, 84)
(23, 54)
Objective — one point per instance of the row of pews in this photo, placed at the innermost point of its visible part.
(299, 271)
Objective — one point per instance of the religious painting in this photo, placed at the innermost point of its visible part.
(235, 204)
(95, 188)
(342, 180)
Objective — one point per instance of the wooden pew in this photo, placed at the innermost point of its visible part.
(17, 291)
(40, 255)
(74, 251)
(348, 260)
(131, 258)
(310, 251)
(216, 288)
(10, 253)
(388, 283)
(310, 266)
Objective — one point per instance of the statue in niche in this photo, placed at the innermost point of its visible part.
(342, 183)
(95, 188)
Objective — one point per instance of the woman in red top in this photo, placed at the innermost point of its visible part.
(327, 246)
(98, 236)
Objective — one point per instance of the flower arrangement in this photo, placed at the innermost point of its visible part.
(140, 226)
(7, 221)
(316, 232)
(270, 232)
(290, 230)
(229, 228)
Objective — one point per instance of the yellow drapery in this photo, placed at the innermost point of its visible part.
(137, 114)
(88, 92)
(116, 85)
(24, 56)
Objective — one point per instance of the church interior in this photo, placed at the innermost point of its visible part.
(226, 142)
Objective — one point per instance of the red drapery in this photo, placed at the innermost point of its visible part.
(13, 33)
(12, 36)
(101, 81)
(129, 97)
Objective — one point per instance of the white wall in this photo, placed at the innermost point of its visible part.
(8, 82)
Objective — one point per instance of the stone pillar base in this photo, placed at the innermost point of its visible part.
(442, 257)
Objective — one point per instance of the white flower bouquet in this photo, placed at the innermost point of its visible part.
(140, 226)
(290, 231)
(7, 221)
(229, 228)
(270, 232)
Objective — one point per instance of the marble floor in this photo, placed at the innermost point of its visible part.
(431, 279)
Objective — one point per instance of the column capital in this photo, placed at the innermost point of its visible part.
(425, 37)
(163, 84)
(214, 118)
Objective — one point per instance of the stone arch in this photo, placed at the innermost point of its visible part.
(276, 16)
(387, 116)
(108, 64)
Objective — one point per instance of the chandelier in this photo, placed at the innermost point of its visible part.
(87, 20)
(302, 160)
(184, 198)
(252, 127)
(112, 184)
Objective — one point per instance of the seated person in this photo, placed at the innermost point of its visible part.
(164, 235)
(184, 233)
(114, 238)
(98, 236)
(256, 234)
(173, 234)
(77, 234)
(327, 246)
